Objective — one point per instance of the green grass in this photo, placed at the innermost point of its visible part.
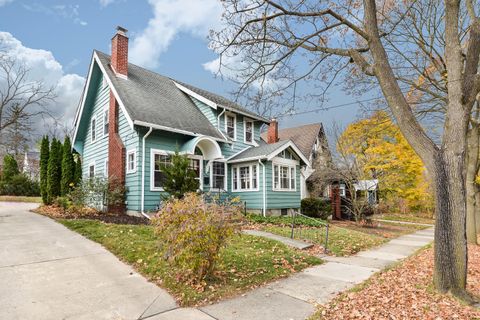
(405, 218)
(341, 241)
(285, 220)
(246, 262)
(20, 199)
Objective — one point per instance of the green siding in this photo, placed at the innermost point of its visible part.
(253, 199)
(208, 111)
(282, 199)
(130, 140)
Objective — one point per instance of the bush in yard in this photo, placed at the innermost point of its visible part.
(10, 168)
(77, 176)
(19, 185)
(316, 208)
(179, 177)
(96, 193)
(192, 232)
(44, 154)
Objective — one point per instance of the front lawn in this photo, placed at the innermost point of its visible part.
(20, 199)
(405, 292)
(245, 263)
(407, 217)
(382, 229)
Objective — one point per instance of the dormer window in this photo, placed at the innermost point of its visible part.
(248, 131)
(231, 125)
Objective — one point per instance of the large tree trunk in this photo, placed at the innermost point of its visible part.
(450, 271)
(471, 188)
(477, 209)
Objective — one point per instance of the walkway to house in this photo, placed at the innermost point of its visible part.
(50, 272)
(287, 241)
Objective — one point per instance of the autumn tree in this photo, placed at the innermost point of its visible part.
(388, 45)
(382, 153)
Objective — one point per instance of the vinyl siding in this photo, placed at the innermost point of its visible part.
(253, 199)
(282, 199)
(238, 145)
(208, 111)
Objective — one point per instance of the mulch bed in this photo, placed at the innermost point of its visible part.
(58, 213)
(406, 292)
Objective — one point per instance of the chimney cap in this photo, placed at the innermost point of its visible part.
(121, 30)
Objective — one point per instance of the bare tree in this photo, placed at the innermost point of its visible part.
(369, 39)
(21, 98)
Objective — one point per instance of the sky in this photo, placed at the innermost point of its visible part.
(55, 40)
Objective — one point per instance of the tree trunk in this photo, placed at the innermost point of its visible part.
(450, 271)
(477, 209)
(471, 188)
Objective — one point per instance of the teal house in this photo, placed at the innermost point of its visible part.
(130, 120)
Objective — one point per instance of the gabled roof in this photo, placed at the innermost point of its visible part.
(223, 102)
(303, 136)
(267, 151)
(152, 99)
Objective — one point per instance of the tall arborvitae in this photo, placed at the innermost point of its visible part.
(54, 171)
(10, 168)
(78, 170)
(68, 167)
(44, 154)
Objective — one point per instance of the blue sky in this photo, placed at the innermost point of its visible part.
(56, 38)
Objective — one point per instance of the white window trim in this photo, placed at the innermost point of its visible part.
(105, 167)
(245, 120)
(134, 152)
(94, 170)
(234, 125)
(105, 110)
(93, 129)
(153, 152)
(225, 181)
(285, 163)
(237, 168)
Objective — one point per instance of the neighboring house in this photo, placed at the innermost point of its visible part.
(31, 165)
(130, 120)
(312, 142)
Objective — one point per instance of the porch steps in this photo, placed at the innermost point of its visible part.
(287, 241)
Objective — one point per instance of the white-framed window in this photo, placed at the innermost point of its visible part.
(161, 158)
(218, 176)
(245, 177)
(91, 170)
(284, 177)
(231, 125)
(105, 122)
(131, 161)
(343, 190)
(105, 168)
(94, 129)
(248, 129)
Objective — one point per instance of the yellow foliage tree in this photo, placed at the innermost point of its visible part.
(381, 152)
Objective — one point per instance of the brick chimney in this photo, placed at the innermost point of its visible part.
(119, 62)
(272, 132)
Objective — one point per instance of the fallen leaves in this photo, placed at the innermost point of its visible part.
(406, 292)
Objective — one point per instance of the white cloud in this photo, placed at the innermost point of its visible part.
(172, 17)
(44, 67)
(4, 2)
(104, 3)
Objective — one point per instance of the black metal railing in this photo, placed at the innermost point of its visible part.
(308, 228)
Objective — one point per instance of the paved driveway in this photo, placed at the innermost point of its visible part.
(49, 272)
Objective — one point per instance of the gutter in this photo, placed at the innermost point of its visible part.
(143, 173)
(264, 189)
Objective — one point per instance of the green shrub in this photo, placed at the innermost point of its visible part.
(179, 177)
(63, 202)
(192, 232)
(54, 170)
(97, 192)
(68, 168)
(285, 220)
(19, 185)
(316, 208)
(10, 168)
(44, 154)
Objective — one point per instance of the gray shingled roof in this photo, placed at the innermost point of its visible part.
(304, 136)
(261, 150)
(155, 99)
(223, 102)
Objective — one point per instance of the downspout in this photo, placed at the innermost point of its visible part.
(218, 119)
(264, 189)
(143, 172)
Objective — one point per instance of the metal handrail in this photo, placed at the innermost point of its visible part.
(321, 223)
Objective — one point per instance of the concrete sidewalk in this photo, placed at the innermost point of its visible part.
(50, 272)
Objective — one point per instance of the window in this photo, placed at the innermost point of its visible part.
(343, 190)
(248, 131)
(230, 125)
(131, 161)
(284, 177)
(105, 169)
(160, 160)
(218, 175)
(91, 170)
(245, 178)
(94, 133)
(105, 122)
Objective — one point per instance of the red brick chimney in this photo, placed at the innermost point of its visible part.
(272, 132)
(119, 62)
